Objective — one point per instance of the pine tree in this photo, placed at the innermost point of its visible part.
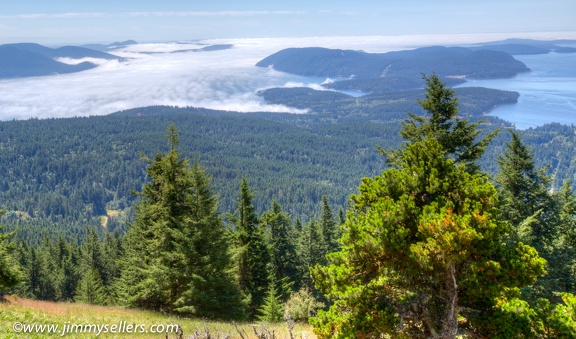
(176, 249)
(10, 273)
(92, 267)
(311, 251)
(91, 289)
(423, 254)
(524, 194)
(456, 136)
(282, 247)
(252, 253)
(272, 309)
(330, 231)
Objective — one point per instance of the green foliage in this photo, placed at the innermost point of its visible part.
(252, 253)
(272, 309)
(176, 249)
(515, 318)
(281, 240)
(10, 273)
(414, 246)
(523, 188)
(311, 251)
(537, 216)
(91, 289)
(330, 231)
(456, 136)
(302, 305)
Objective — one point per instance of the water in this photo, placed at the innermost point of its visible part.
(547, 93)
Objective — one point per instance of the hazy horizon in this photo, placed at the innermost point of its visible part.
(223, 80)
(227, 79)
(74, 22)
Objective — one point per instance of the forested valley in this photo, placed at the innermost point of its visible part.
(365, 219)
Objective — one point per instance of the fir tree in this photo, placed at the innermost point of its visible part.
(252, 253)
(525, 200)
(212, 291)
(176, 249)
(330, 231)
(91, 289)
(456, 136)
(282, 247)
(92, 286)
(272, 309)
(311, 251)
(10, 273)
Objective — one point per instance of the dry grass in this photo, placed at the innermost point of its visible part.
(33, 312)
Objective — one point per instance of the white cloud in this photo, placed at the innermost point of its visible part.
(71, 61)
(207, 13)
(224, 79)
(54, 15)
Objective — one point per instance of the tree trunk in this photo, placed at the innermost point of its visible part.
(450, 318)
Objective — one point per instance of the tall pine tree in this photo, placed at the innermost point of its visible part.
(330, 231)
(176, 248)
(252, 253)
(456, 136)
(282, 246)
(10, 273)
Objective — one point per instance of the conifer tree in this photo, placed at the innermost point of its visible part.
(176, 249)
(10, 273)
(423, 254)
(311, 251)
(69, 268)
(565, 267)
(456, 136)
(525, 200)
(212, 292)
(92, 267)
(330, 231)
(535, 215)
(282, 247)
(272, 309)
(252, 253)
(91, 289)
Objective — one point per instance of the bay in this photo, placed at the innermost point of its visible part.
(547, 92)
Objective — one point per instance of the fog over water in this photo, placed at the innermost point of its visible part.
(152, 75)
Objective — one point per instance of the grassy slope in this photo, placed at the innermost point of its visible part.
(50, 313)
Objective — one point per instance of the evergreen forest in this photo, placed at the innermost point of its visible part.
(361, 219)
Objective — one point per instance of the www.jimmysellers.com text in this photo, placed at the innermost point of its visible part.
(97, 329)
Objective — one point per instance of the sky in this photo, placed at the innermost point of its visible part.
(56, 22)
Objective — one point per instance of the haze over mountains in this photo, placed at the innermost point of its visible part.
(29, 59)
(101, 79)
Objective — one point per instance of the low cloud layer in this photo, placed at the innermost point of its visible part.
(224, 79)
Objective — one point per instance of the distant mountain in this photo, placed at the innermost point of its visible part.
(28, 59)
(110, 47)
(444, 61)
(528, 46)
(73, 52)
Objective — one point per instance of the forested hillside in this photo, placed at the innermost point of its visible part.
(63, 174)
(430, 244)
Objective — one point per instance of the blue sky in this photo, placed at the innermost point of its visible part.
(74, 21)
